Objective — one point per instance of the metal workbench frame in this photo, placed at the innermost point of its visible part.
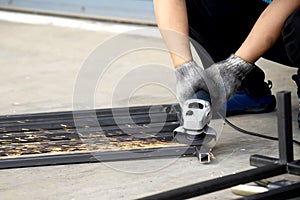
(266, 166)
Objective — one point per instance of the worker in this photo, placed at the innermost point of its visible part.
(234, 34)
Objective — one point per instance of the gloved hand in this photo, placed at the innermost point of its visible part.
(189, 79)
(225, 77)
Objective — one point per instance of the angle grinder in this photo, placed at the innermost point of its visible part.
(196, 116)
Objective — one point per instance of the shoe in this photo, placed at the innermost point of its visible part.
(254, 95)
(242, 103)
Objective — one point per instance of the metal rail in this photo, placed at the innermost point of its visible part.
(93, 157)
(106, 117)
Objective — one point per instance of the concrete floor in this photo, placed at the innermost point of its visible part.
(40, 65)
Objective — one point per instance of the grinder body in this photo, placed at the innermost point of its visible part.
(196, 116)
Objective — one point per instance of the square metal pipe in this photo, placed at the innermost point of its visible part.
(285, 132)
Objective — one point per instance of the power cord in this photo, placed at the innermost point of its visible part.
(255, 134)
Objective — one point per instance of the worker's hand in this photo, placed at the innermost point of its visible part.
(224, 78)
(189, 79)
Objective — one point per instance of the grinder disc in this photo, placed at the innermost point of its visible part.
(193, 140)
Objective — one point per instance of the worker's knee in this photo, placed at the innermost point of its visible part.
(291, 37)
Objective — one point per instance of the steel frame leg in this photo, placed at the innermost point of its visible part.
(285, 136)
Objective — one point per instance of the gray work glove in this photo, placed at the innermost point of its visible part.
(225, 77)
(189, 79)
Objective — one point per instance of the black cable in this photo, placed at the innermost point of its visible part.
(253, 133)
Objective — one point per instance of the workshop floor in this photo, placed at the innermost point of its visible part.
(39, 69)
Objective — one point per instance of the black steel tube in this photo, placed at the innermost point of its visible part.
(259, 160)
(286, 192)
(103, 112)
(285, 132)
(77, 158)
(294, 167)
(58, 120)
(213, 185)
(102, 121)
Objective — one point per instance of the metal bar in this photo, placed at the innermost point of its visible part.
(259, 160)
(286, 192)
(294, 167)
(217, 184)
(285, 131)
(102, 121)
(105, 112)
(77, 158)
